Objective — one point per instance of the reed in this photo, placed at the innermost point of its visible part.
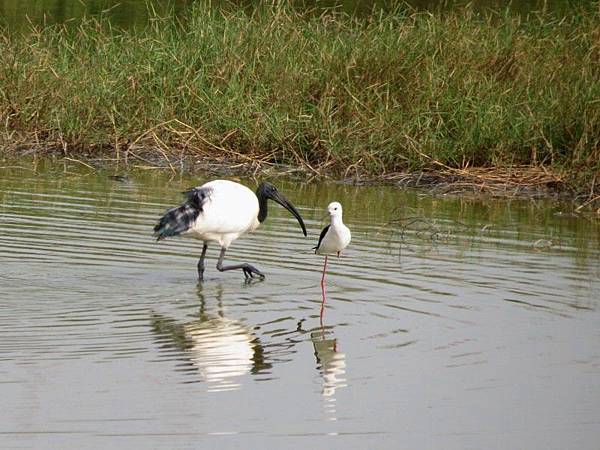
(396, 91)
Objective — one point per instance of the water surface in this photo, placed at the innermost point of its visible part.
(449, 323)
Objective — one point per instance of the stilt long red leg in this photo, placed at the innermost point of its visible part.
(323, 287)
(324, 270)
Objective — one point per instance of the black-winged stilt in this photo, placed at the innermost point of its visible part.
(334, 238)
(221, 211)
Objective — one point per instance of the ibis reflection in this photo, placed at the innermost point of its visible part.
(219, 349)
(221, 352)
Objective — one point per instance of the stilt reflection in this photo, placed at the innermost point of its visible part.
(331, 364)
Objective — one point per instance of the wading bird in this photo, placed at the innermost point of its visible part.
(334, 238)
(221, 211)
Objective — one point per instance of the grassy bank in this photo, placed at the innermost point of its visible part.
(395, 92)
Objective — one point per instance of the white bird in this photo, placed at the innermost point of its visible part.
(334, 238)
(221, 211)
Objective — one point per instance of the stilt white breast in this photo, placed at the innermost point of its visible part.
(336, 236)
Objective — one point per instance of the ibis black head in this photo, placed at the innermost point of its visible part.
(267, 191)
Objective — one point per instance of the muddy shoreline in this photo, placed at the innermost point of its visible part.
(518, 182)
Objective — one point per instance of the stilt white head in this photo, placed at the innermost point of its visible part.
(335, 210)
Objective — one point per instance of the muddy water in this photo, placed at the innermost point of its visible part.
(449, 323)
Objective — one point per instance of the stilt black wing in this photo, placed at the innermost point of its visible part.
(323, 233)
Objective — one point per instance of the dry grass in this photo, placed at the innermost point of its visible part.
(490, 104)
(496, 181)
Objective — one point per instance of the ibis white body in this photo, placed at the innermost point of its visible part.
(229, 211)
(336, 236)
(222, 211)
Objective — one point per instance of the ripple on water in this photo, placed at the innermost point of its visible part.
(417, 321)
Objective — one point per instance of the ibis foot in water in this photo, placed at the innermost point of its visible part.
(248, 269)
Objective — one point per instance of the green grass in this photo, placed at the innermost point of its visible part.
(396, 91)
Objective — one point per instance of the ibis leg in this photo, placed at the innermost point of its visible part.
(201, 262)
(249, 270)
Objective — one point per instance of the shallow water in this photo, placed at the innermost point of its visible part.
(449, 323)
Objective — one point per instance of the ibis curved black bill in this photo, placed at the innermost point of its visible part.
(277, 197)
